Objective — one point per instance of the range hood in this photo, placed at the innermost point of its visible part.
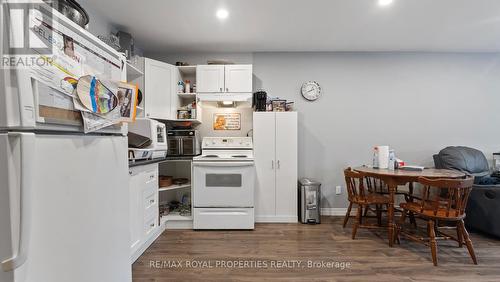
(221, 97)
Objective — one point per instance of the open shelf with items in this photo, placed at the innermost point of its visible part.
(175, 186)
(175, 200)
(185, 104)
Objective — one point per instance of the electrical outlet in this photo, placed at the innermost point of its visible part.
(338, 190)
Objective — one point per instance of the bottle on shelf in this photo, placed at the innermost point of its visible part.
(187, 86)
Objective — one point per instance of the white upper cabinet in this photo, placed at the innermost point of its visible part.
(159, 87)
(210, 78)
(224, 78)
(238, 78)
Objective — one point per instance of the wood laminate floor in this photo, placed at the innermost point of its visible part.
(285, 252)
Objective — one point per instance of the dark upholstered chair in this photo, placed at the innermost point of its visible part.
(483, 208)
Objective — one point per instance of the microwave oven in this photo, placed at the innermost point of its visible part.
(153, 130)
(183, 142)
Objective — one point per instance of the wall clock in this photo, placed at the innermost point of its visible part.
(311, 90)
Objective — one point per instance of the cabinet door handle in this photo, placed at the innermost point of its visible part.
(278, 164)
(272, 164)
(221, 89)
(152, 201)
(227, 89)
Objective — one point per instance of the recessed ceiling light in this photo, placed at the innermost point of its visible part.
(222, 14)
(384, 2)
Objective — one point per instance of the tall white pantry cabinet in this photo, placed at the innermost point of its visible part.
(275, 152)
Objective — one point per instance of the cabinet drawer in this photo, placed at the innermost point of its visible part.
(150, 225)
(151, 176)
(150, 199)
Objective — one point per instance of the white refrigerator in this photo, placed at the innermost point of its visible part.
(63, 194)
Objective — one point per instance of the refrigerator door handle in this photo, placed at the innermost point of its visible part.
(27, 153)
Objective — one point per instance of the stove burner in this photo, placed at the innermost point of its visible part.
(211, 156)
(239, 156)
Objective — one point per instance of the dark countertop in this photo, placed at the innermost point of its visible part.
(160, 160)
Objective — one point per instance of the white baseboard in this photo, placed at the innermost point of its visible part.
(276, 219)
(336, 211)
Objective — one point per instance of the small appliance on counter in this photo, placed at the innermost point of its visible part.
(183, 142)
(309, 201)
(259, 101)
(147, 139)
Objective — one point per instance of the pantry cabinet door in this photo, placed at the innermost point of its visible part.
(264, 140)
(210, 78)
(238, 78)
(286, 165)
(159, 80)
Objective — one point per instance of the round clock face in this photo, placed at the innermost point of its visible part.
(311, 90)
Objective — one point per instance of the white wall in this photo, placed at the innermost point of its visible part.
(206, 128)
(416, 103)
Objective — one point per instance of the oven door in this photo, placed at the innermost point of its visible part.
(173, 147)
(223, 184)
(188, 146)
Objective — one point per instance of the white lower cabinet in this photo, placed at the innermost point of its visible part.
(275, 152)
(144, 220)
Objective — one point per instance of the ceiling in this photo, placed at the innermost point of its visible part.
(312, 25)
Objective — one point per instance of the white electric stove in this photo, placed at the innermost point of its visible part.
(224, 180)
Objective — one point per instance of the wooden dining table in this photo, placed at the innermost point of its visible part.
(399, 177)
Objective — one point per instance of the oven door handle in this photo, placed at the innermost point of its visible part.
(223, 164)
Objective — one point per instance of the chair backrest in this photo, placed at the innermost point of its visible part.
(354, 184)
(375, 185)
(450, 195)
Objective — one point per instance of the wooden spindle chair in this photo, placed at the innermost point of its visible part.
(359, 194)
(377, 185)
(440, 200)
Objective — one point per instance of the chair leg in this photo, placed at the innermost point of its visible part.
(357, 222)
(391, 225)
(433, 243)
(379, 215)
(360, 218)
(468, 242)
(412, 220)
(348, 214)
(460, 238)
(399, 227)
